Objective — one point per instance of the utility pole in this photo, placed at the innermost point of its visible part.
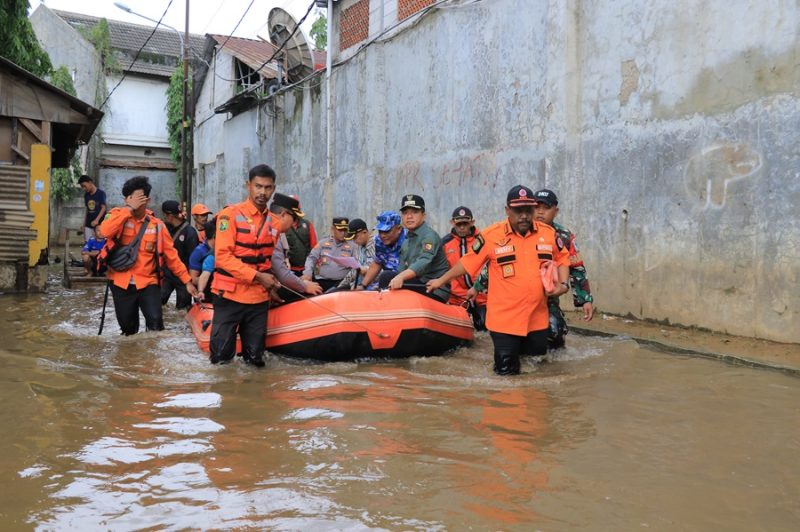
(185, 122)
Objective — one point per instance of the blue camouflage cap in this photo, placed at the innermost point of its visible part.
(388, 220)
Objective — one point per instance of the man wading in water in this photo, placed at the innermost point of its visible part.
(137, 288)
(516, 309)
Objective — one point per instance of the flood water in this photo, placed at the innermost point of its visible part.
(143, 433)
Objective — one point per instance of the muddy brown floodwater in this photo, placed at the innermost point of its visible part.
(136, 433)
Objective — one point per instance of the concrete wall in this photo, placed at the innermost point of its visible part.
(163, 182)
(669, 131)
(66, 47)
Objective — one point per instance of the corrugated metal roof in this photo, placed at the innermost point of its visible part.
(160, 57)
(251, 52)
(15, 217)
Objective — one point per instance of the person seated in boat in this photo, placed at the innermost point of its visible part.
(89, 254)
(388, 242)
(515, 249)
(321, 264)
(301, 238)
(457, 243)
(358, 233)
(199, 253)
(421, 256)
(207, 267)
(292, 287)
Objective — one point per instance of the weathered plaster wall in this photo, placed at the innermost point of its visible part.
(669, 131)
(162, 181)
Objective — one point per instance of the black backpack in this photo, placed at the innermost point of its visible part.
(122, 258)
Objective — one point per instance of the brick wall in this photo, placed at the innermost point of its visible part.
(406, 8)
(354, 24)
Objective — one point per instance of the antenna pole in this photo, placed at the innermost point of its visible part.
(329, 114)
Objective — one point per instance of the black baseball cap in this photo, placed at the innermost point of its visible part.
(546, 196)
(171, 207)
(340, 222)
(520, 196)
(355, 225)
(462, 214)
(286, 202)
(412, 201)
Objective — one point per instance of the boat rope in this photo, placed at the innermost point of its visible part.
(311, 299)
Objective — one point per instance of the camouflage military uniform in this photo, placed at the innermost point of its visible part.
(581, 292)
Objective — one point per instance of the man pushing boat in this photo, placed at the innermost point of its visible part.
(243, 284)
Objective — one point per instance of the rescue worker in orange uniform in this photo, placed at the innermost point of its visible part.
(457, 243)
(515, 250)
(245, 239)
(138, 288)
(200, 214)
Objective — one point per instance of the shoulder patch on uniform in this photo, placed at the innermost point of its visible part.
(427, 246)
(223, 224)
(478, 244)
(560, 243)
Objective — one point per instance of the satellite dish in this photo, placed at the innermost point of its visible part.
(298, 54)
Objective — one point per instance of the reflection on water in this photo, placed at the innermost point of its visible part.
(141, 432)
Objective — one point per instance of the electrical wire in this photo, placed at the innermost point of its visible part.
(135, 57)
(296, 27)
(237, 25)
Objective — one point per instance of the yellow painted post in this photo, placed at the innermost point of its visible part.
(39, 194)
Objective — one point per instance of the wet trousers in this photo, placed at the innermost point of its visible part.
(182, 297)
(508, 348)
(251, 322)
(558, 326)
(128, 303)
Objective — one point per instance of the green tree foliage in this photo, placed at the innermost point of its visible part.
(18, 42)
(175, 119)
(319, 32)
(62, 79)
(100, 37)
(63, 180)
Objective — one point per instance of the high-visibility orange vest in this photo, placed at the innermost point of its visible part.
(244, 244)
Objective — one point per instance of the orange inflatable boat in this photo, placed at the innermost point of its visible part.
(352, 325)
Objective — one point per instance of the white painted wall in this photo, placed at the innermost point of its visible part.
(136, 112)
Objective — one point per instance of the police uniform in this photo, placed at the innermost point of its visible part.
(319, 264)
(138, 287)
(245, 240)
(517, 314)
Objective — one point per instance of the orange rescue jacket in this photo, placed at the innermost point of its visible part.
(517, 303)
(155, 250)
(456, 247)
(244, 244)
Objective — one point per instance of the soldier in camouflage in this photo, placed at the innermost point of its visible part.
(545, 211)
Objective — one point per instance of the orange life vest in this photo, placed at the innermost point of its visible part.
(252, 244)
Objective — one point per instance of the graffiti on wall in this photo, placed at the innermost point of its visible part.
(710, 172)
